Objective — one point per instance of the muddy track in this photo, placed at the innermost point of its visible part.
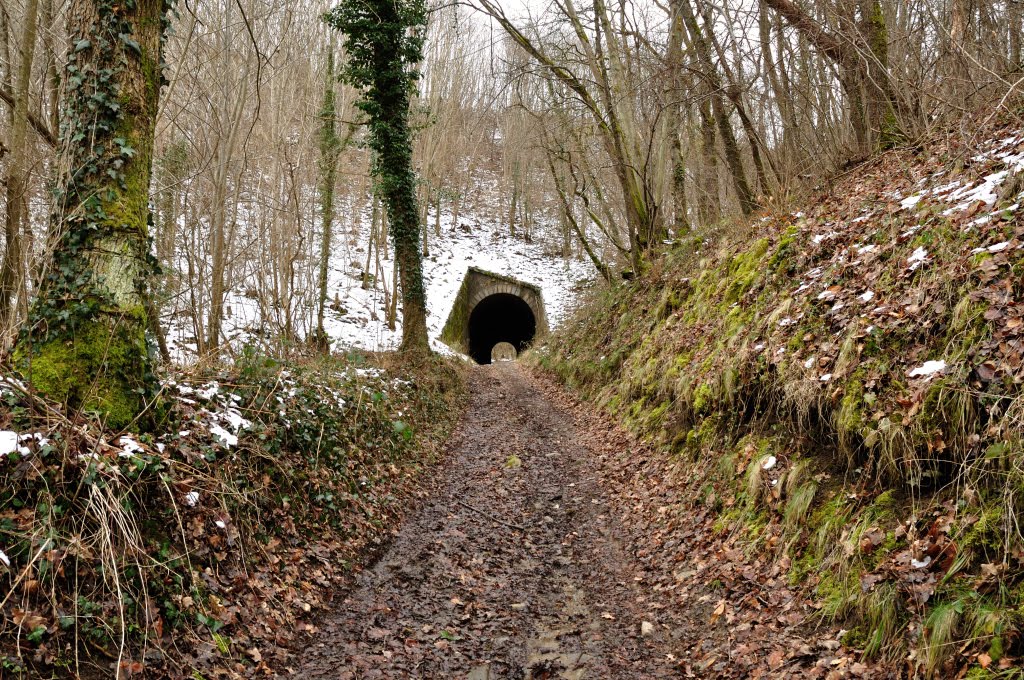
(513, 569)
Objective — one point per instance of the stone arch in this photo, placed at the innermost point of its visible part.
(491, 308)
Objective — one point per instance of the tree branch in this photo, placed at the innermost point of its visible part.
(828, 44)
(40, 126)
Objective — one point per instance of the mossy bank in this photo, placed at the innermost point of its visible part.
(844, 386)
(202, 549)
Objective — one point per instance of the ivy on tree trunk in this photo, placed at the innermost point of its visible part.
(330, 146)
(384, 42)
(85, 341)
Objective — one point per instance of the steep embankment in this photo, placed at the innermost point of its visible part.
(202, 549)
(841, 391)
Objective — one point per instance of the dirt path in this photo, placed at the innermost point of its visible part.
(514, 568)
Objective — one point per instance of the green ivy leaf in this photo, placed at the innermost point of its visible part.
(130, 43)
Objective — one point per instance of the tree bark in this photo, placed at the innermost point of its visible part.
(860, 53)
(1015, 14)
(398, 186)
(329, 147)
(11, 270)
(85, 343)
(673, 95)
(710, 209)
(718, 111)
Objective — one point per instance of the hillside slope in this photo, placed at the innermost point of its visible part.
(842, 389)
(206, 548)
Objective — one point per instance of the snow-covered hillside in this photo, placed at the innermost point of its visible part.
(473, 244)
(356, 318)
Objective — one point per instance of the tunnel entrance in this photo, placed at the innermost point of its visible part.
(491, 309)
(503, 351)
(501, 317)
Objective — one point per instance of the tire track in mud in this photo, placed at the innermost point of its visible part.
(512, 569)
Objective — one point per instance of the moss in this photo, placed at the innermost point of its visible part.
(850, 416)
(737, 319)
(855, 638)
(744, 269)
(805, 565)
(112, 352)
(849, 420)
(454, 332)
(986, 534)
(779, 260)
(884, 506)
(827, 522)
(838, 592)
(702, 399)
(656, 416)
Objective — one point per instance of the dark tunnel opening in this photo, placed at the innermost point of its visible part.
(501, 317)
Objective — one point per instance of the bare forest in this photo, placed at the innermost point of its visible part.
(750, 274)
(603, 130)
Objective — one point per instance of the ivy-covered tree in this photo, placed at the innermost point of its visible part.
(384, 42)
(85, 341)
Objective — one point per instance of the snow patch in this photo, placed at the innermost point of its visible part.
(8, 442)
(229, 439)
(928, 368)
(917, 258)
(910, 201)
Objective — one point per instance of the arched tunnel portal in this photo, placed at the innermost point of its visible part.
(502, 317)
(491, 309)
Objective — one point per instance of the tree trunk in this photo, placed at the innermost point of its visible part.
(718, 111)
(85, 343)
(374, 218)
(680, 206)
(329, 144)
(860, 53)
(709, 204)
(1016, 13)
(732, 155)
(673, 95)
(570, 219)
(783, 97)
(513, 200)
(403, 218)
(881, 102)
(383, 43)
(11, 271)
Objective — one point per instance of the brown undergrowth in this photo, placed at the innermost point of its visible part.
(844, 388)
(201, 550)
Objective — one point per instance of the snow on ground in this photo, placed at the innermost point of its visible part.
(1005, 158)
(355, 317)
(451, 255)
